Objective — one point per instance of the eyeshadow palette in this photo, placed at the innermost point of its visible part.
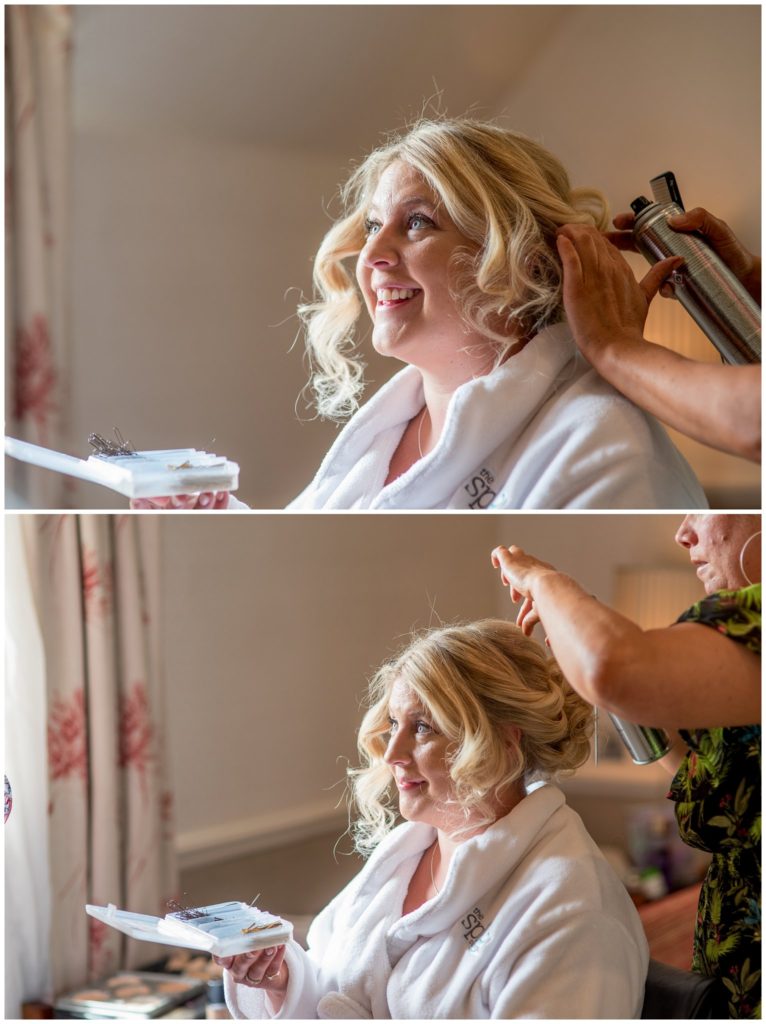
(129, 994)
(223, 929)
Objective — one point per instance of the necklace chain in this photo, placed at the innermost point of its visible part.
(433, 880)
(420, 429)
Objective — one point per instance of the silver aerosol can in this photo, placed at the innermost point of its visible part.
(644, 743)
(703, 284)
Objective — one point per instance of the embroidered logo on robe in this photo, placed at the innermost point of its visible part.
(475, 932)
(479, 489)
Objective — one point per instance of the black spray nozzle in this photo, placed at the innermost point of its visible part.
(639, 204)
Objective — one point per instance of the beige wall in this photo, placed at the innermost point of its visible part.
(272, 625)
(189, 258)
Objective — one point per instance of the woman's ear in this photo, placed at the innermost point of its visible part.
(512, 735)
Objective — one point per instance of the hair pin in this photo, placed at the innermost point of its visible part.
(104, 447)
(186, 913)
(260, 927)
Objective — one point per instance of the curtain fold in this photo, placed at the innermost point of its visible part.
(38, 42)
(27, 880)
(110, 803)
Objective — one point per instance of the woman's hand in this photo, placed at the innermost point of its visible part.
(209, 500)
(520, 572)
(604, 303)
(263, 969)
(745, 266)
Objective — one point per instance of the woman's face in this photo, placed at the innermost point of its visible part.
(417, 757)
(404, 272)
(715, 543)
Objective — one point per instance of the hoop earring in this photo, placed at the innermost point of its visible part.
(742, 555)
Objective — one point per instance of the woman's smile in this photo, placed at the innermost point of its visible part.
(407, 273)
(394, 297)
(407, 784)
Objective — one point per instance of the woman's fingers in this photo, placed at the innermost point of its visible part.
(527, 617)
(506, 559)
(258, 969)
(249, 968)
(275, 976)
(623, 237)
(655, 279)
(206, 500)
(624, 221)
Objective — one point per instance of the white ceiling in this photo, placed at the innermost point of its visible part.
(319, 78)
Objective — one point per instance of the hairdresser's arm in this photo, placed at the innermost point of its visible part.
(745, 265)
(678, 750)
(685, 676)
(717, 405)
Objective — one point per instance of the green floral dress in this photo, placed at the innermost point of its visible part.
(717, 791)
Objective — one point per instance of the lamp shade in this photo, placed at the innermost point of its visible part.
(654, 597)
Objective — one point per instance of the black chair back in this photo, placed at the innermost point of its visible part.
(673, 994)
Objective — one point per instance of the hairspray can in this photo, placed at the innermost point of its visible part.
(644, 743)
(703, 284)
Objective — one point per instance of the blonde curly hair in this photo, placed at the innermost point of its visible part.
(505, 192)
(476, 680)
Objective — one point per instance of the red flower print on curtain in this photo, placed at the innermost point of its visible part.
(37, 235)
(101, 957)
(67, 738)
(110, 838)
(34, 376)
(96, 584)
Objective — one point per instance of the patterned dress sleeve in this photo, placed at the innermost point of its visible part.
(736, 613)
(717, 793)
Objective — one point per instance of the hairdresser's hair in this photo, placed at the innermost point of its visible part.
(477, 680)
(506, 193)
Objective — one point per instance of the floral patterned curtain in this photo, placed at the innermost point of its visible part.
(95, 586)
(38, 43)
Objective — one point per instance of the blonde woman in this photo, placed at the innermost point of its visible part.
(452, 230)
(491, 900)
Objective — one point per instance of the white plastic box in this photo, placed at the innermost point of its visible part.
(146, 474)
(223, 929)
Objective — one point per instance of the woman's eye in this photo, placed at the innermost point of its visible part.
(371, 227)
(417, 221)
(422, 727)
(392, 725)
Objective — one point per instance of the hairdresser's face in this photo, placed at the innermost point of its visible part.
(417, 757)
(405, 272)
(715, 543)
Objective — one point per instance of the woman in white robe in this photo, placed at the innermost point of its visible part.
(452, 232)
(491, 900)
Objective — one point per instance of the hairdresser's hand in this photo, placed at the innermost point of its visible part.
(604, 303)
(521, 572)
(743, 264)
(209, 500)
(263, 969)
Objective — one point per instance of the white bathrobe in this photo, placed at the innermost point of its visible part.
(531, 922)
(541, 431)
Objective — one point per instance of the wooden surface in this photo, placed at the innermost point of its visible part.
(669, 926)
